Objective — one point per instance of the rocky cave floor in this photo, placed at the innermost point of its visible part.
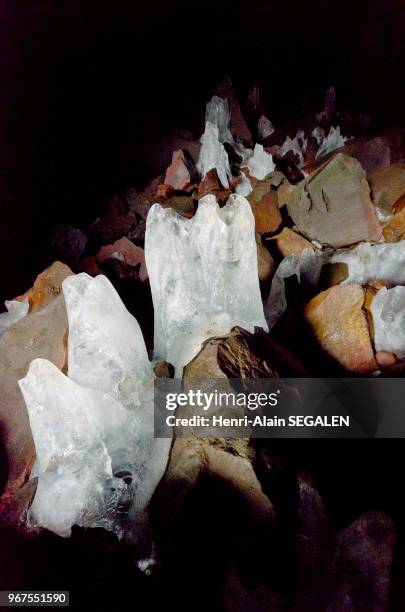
(303, 525)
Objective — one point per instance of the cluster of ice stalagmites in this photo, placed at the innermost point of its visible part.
(203, 275)
(93, 429)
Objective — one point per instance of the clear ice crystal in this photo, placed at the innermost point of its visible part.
(244, 186)
(79, 436)
(16, 310)
(383, 261)
(306, 267)
(106, 349)
(297, 145)
(259, 162)
(265, 128)
(213, 155)
(388, 310)
(334, 140)
(218, 113)
(93, 430)
(203, 275)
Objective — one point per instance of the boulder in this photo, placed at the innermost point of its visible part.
(40, 334)
(126, 251)
(265, 262)
(289, 242)
(47, 286)
(373, 154)
(179, 174)
(333, 204)
(339, 326)
(387, 186)
(264, 204)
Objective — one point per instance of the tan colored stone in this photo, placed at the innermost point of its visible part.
(289, 242)
(47, 286)
(39, 334)
(265, 262)
(339, 325)
(264, 203)
(387, 186)
(385, 359)
(333, 204)
(394, 230)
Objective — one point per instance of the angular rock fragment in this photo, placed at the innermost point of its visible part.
(213, 155)
(339, 325)
(388, 311)
(126, 251)
(203, 276)
(265, 262)
(289, 242)
(264, 203)
(47, 286)
(374, 154)
(116, 221)
(394, 229)
(265, 128)
(178, 175)
(40, 334)
(82, 437)
(333, 205)
(387, 186)
(260, 163)
(16, 310)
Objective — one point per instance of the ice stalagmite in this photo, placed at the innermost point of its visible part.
(260, 163)
(367, 262)
(388, 310)
(106, 349)
(213, 155)
(79, 434)
(16, 310)
(203, 275)
(217, 112)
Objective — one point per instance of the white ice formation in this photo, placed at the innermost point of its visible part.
(259, 162)
(306, 267)
(213, 155)
(16, 310)
(265, 128)
(334, 140)
(388, 310)
(203, 275)
(218, 113)
(297, 145)
(244, 186)
(383, 261)
(102, 410)
(79, 433)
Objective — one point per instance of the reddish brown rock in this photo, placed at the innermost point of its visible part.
(90, 266)
(373, 154)
(340, 327)
(163, 191)
(333, 205)
(39, 334)
(265, 262)
(264, 204)
(289, 242)
(47, 286)
(116, 220)
(210, 183)
(178, 175)
(126, 251)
